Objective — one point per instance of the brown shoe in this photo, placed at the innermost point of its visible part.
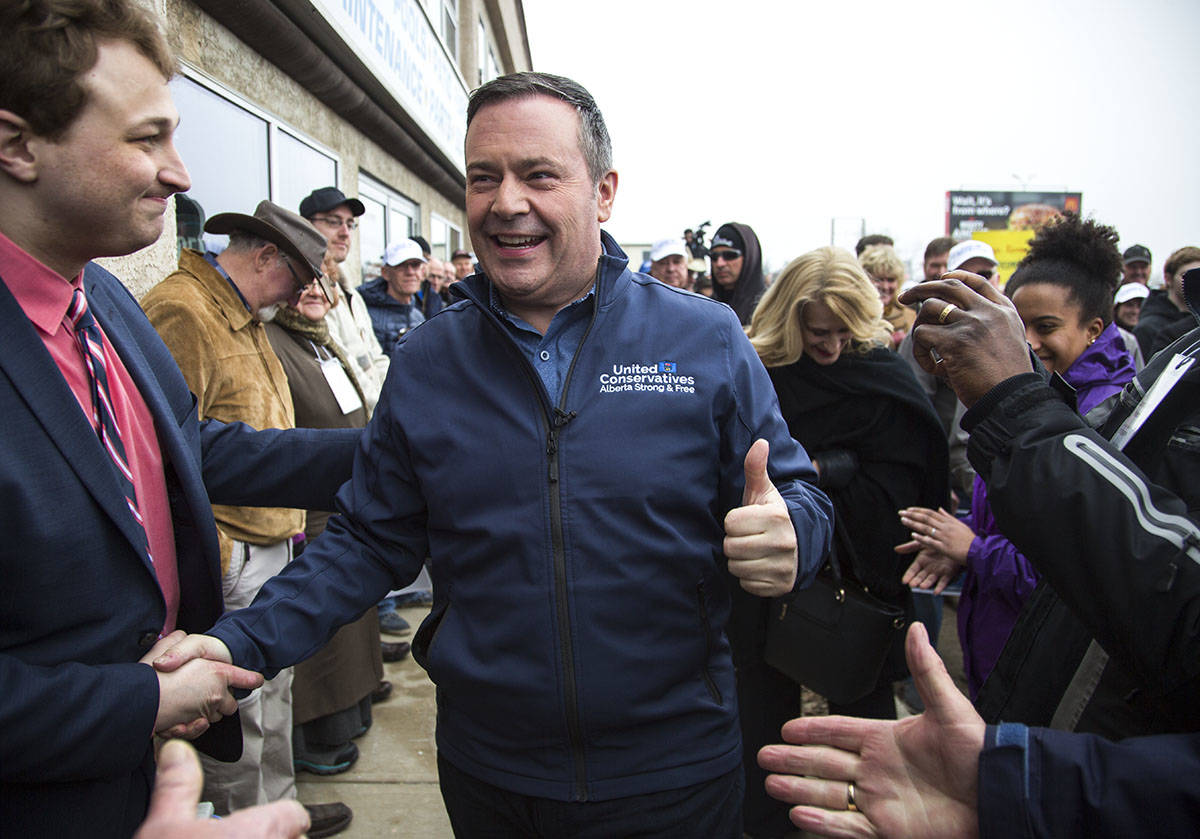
(327, 819)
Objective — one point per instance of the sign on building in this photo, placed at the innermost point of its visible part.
(397, 42)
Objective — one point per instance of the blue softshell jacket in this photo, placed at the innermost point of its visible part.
(580, 589)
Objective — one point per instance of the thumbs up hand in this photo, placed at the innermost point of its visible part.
(760, 540)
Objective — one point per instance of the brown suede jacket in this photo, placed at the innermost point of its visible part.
(229, 365)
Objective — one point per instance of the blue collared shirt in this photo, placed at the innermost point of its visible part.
(211, 259)
(551, 353)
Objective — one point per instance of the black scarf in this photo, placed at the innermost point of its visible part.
(871, 405)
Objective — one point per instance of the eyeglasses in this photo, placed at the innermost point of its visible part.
(301, 285)
(729, 254)
(986, 273)
(348, 223)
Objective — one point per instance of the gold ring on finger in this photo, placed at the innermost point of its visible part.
(945, 313)
(851, 804)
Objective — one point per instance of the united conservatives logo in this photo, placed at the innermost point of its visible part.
(648, 377)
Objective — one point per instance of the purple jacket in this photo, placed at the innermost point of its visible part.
(999, 578)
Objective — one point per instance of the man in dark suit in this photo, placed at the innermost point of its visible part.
(106, 472)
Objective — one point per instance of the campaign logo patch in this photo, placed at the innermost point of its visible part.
(650, 377)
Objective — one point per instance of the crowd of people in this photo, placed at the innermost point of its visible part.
(214, 493)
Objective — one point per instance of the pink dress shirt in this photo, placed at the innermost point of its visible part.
(44, 297)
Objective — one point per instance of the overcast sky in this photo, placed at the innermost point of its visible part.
(786, 113)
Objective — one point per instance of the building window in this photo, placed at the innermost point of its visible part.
(448, 28)
(493, 67)
(238, 155)
(444, 237)
(485, 56)
(300, 168)
(211, 128)
(389, 217)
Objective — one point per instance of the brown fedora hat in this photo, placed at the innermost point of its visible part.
(289, 232)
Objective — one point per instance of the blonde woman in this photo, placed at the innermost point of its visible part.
(877, 445)
(858, 410)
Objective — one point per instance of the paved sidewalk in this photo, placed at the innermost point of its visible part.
(393, 788)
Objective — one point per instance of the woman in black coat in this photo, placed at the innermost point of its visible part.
(876, 444)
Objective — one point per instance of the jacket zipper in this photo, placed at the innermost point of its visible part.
(553, 420)
(566, 652)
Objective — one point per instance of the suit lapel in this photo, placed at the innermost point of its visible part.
(40, 384)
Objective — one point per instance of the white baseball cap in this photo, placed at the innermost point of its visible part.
(969, 249)
(668, 247)
(1130, 291)
(398, 253)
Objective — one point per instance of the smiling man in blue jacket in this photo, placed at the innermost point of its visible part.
(616, 462)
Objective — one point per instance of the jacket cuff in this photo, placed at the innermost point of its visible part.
(1004, 783)
(243, 652)
(995, 419)
(979, 411)
(974, 552)
(988, 403)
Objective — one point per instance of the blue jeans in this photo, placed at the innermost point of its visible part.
(478, 810)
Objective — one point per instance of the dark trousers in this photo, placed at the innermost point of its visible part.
(766, 700)
(478, 810)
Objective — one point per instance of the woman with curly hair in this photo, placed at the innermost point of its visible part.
(886, 271)
(877, 446)
(1063, 290)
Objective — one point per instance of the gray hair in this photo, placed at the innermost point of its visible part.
(241, 241)
(593, 134)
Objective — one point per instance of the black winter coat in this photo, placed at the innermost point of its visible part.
(1160, 323)
(1115, 537)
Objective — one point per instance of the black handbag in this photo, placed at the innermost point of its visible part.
(833, 636)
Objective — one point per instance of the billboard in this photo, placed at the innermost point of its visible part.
(973, 211)
(1009, 246)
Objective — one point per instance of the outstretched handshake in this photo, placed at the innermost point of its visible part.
(196, 680)
(194, 690)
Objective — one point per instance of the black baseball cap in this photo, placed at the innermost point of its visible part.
(1137, 253)
(326, 198)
